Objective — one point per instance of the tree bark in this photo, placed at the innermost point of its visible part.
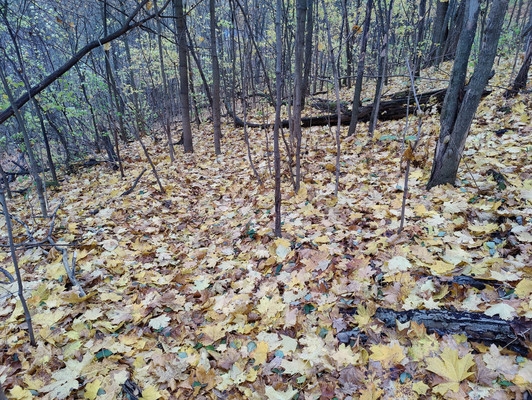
(522, 76)
(360, 70)
(277, 127)
(461, 101)
(183, 75)
(216, 119)
(301, 11)
(27, 142)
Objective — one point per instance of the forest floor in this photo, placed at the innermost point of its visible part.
(189, 294)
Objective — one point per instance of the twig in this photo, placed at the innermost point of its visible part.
(470, 173)
(29, 233)
(130, 190)
(69, 269)
(7, 274)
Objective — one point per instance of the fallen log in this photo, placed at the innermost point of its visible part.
(475, 326)
(389, 110)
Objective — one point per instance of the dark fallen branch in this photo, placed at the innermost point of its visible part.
(389, 110)
(476, 326)
(130, 190)
(7, 275)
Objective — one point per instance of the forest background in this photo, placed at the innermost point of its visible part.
(236, 199)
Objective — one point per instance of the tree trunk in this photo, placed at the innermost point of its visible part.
(27, 142)
(308, 50)
(24, 77)
(183, 75)
(301, 11)
(360, 70)
(216, 119)
(384, 17)
(522, 76)
(277, 127)
(420, 33)
(336, 77)
(461, 101)
(164, 78)
(114, 95)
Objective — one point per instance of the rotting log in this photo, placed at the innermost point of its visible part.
(389, 110)
(513, 334)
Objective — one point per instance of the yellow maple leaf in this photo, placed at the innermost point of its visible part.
(524, 288)
(364, 315)
(388, 355)
(451, 368)
(260, 353)
(271, 307)
(91, 389)
(420, 387)
(150, 393)
(272, 394)
(440, 268)
(20, 394)
(345, 356)
(371, 391)
(483, 229)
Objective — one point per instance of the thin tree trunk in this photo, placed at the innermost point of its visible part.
(111, 83)
(420, 33)
(301, 10)
(216, 118)
(277, 127)
(7, 217)
(91, 110)
(27, 142)
(24, 78)
(337, 93)
(522, 76)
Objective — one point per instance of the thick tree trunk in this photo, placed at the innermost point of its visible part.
(360, 70)
(183, 75)
(439, 33)
(461, 101)
(384, 17)
(166, 95)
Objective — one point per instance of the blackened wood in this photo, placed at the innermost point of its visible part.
(475, 326)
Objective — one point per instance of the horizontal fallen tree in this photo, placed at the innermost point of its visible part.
(475, 326)
(389, 110)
